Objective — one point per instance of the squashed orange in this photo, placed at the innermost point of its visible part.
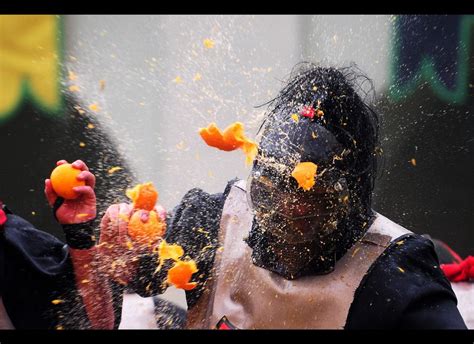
(144, 196)
(231, 139)
(180, 274)
(145, 232)
(305, 173)
(64, 179)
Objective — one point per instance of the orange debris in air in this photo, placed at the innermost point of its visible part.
(167, 251)
(231, 139)
(64, 179)
(180, 274)
(305, 173)
(208, 43)
(114, 169)
(94, 107)
(72, 76)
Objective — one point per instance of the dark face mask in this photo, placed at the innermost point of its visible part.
(291, 260)
(293, 215)
(294, 230)
(298, 232)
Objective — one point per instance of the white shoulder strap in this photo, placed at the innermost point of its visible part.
(385, 226)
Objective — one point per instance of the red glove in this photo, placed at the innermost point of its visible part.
(458, 272)
(3, 216)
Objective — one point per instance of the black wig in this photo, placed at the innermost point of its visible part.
(342, 94)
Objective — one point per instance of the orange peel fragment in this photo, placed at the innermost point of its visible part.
(180, 274)
(231, 139)
(167, 251)
(305, 173)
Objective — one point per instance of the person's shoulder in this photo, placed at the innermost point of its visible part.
(199, 208)
(407, 252)
(386, 227)
(406, 271)
(197, 197)
(404, 247)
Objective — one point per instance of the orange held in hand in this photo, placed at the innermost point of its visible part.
(146, 232)
(64, 179)
(180, 274)
(232, 138)
(144, 197)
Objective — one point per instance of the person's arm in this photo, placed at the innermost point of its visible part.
(194, 225)
(405, 289)
(76, 216)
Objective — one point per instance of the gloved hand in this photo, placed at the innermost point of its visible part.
(79, 210)
(75, 215)
(119, 253)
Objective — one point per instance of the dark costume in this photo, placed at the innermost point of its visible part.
(387, 298)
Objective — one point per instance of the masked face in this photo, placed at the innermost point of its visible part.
(291, 214)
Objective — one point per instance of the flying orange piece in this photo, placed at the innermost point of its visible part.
(231, 139)
(180, 274)
(305, 173)
(167, 251)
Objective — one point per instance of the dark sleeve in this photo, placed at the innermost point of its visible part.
(405, 289)
(193, 224)
(37, 269)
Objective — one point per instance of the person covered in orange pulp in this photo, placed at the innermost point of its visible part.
(298, 244)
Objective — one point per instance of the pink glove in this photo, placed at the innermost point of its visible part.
(119, 253)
